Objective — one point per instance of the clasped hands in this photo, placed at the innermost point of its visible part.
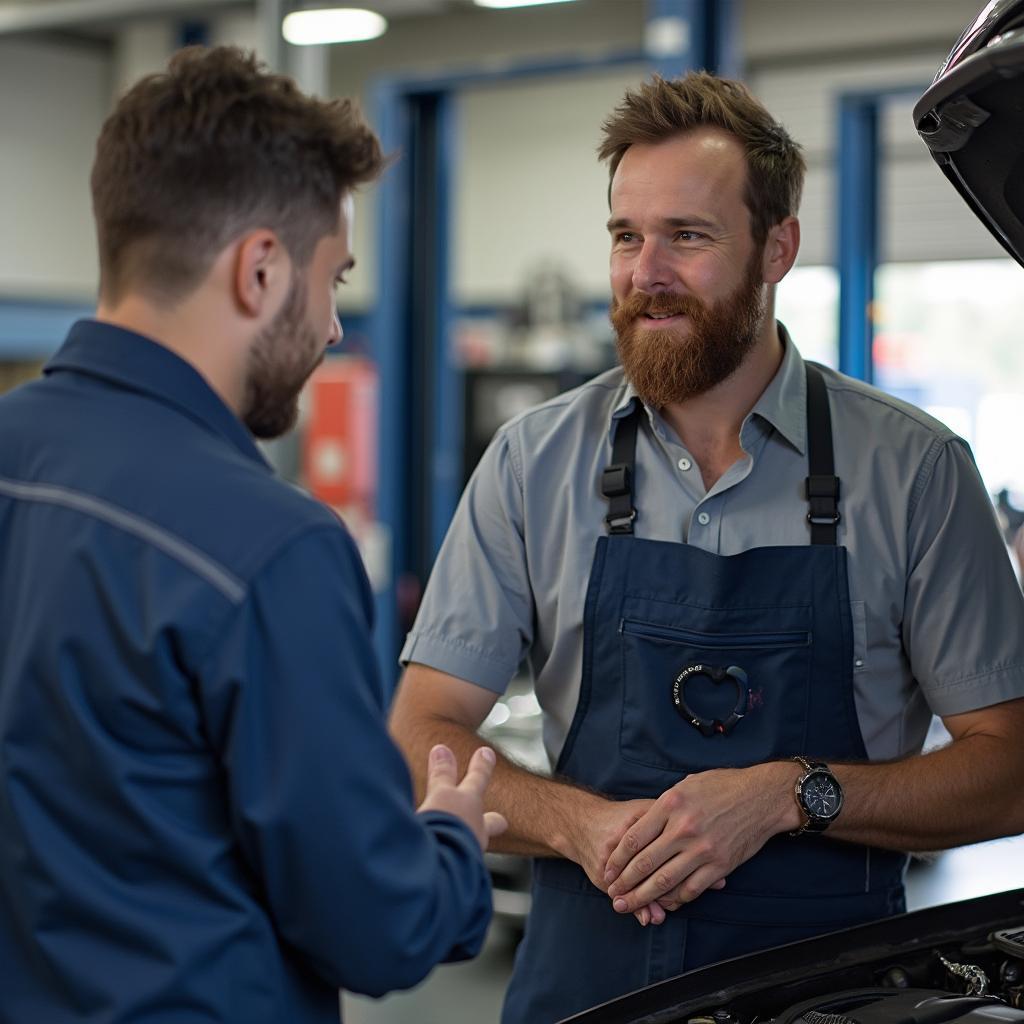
(652, 856)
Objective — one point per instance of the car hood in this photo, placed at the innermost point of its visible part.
(972, 120)
(887, 972)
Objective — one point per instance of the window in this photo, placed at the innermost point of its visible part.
(949, 338)
(807, 302)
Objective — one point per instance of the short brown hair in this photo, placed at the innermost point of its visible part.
(214, 146)
(662, 109)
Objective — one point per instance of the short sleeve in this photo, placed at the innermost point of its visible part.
(370, 893)
(963, 626)
(476, 619)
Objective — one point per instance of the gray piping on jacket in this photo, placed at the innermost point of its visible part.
(202, 565)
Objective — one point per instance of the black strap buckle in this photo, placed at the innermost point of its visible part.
(826, 520)
(822, 494)
(620, 523)
(615, 481)
(822, 487)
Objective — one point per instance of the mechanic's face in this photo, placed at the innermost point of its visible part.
(687, 285)
(292, 346)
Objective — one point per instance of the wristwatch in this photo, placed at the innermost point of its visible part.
(818, 795)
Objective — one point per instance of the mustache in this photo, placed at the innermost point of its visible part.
(639, 304)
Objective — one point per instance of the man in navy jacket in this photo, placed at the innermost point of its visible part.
(202, 817)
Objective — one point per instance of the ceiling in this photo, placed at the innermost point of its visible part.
(95, 17)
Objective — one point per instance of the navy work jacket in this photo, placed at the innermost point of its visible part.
(201, 815)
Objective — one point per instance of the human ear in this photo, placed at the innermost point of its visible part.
(261, 270)
(780, 250)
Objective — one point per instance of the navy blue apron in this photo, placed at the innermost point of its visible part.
(773, 625)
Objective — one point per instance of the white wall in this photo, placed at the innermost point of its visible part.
(530, 188)
(53, 99)
(781, 31)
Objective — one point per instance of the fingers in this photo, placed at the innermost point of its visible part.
(653, 913)
(699, 882)
(670, 895)
(494, 824)
(636, 838)
(479, 772)
(649, 861)
(442, 768)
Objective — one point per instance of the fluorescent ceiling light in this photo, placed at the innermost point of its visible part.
(505, 4)
(332, 25)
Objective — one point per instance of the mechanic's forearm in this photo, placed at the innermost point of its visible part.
(544, 815)
(966, 792)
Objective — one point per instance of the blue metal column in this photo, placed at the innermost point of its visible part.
(857, 250)
(420, 425)
(389, 335)
(692, 34)
(445, 481)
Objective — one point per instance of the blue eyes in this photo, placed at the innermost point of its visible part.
(630, 238)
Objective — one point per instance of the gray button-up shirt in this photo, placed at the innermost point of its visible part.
(938, 617)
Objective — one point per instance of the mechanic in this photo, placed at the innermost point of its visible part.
(743, 584)
(202, 817)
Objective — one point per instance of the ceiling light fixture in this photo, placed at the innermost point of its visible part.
(332, 25)
(506, 4)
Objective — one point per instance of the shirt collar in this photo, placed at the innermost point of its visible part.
(141, 364)
(783, 403)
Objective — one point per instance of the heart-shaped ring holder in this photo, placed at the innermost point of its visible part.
(711, 726)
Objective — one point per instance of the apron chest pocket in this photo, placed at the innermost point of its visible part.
(693, 700)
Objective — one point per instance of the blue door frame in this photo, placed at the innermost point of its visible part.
(420, 424)
(859, 151)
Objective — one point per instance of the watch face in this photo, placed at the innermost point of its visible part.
(821, 795)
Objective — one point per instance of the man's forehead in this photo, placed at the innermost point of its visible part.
(708, 153)
(707, 163)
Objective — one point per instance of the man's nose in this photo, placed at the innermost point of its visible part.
(652, 272)
(336, 332)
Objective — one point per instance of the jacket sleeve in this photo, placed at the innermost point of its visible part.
(371, 893)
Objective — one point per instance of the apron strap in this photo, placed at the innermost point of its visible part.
(617, 479)
(822, 485)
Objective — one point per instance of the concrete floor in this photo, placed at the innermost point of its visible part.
(471, 993)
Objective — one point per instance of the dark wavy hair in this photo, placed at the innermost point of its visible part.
(214, 146)
(662, 109)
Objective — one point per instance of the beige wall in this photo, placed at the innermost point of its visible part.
(52, 102)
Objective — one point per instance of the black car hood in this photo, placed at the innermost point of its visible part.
(972, 120)
(887, 972)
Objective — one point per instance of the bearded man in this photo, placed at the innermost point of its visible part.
(202, 817)
(743, 585)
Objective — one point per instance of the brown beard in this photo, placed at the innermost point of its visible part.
(280, 363)
(665, 368)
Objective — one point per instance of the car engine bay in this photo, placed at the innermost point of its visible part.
(962, 963)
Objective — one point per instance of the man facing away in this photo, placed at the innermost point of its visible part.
(743, 584)
(202, 817)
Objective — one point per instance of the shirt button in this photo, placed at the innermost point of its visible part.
(703, 518)
(684, 464)
(858, 662)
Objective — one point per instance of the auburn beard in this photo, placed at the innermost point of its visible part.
(665, 366)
